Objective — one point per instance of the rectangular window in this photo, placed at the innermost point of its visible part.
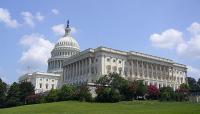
(40, 85)
(52, 86)
(46, 86)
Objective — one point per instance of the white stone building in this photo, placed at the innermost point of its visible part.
(41, 81)
(68, 65)
(87, 66)
(45, 81)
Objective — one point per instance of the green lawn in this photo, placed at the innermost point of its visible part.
(131, 107)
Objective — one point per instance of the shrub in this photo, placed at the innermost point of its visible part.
(33, 99)
(182, 93)
(52, 96)
(83, 93)
(129, 91)
(106, 94)
(153, 92)
(102, 94)
(67, 92)
(166, 94)
(141, 89)
(114, 95)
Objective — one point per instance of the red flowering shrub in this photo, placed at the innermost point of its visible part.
(153, 92)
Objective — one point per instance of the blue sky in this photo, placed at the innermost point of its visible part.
(169, 29)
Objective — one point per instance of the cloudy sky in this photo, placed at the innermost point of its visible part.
(29, 30)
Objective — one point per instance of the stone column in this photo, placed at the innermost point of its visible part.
(142, 69)
(152, 71)
(147, 66)
(138, 74)
(89, 65)
(132, 68)
(156, 72)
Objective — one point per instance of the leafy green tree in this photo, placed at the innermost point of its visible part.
(83, 93)
(114, 95)
(166, 94)
(198, 83)
(26, 89)
(3, 90)
(13, 95)
(129, 92)
(103, 94)
(141, 89)
(192, 83)
(52, 96)
(182, 93)
(67, 92)
(104, 80)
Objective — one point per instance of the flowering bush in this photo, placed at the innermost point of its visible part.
(153, 92)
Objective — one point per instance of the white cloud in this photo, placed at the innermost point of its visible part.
(38, 50)
(194, 29)
(7, 19)
(39, 17)
(193, 72)
(191, 48)
(30, 19)
(55, 11)
(60, 29)
(167, 39)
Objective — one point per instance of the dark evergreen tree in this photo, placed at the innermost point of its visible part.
(13, 95)
(3, 90)
(26, 89)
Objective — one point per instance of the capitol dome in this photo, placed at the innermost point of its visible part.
(67, 41)
(66, 47)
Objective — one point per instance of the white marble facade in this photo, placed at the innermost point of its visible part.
(41, 81)
(87, 66)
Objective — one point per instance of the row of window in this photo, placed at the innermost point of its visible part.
(63, 53)
(67, 43)
(47, 86)
(114, 60)
(47, 80)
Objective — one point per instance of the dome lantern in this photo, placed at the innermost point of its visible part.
(67, 29)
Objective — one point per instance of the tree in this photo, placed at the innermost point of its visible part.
(66, 93)
(13, 95)
(129, 91)
(107, 94)
(26, 89)
(153, 92)
(104, 80)
(114, 95)
(166, 94)
(141, 89)
(192, 83)
(198, 83)
(182, 93)
(52, 96)
(3, 90)
(83, 93)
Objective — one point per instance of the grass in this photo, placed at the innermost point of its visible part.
(130, 107)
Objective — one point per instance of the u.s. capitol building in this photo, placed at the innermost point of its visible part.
(85, 67)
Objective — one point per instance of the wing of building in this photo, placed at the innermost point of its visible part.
(85, 67)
